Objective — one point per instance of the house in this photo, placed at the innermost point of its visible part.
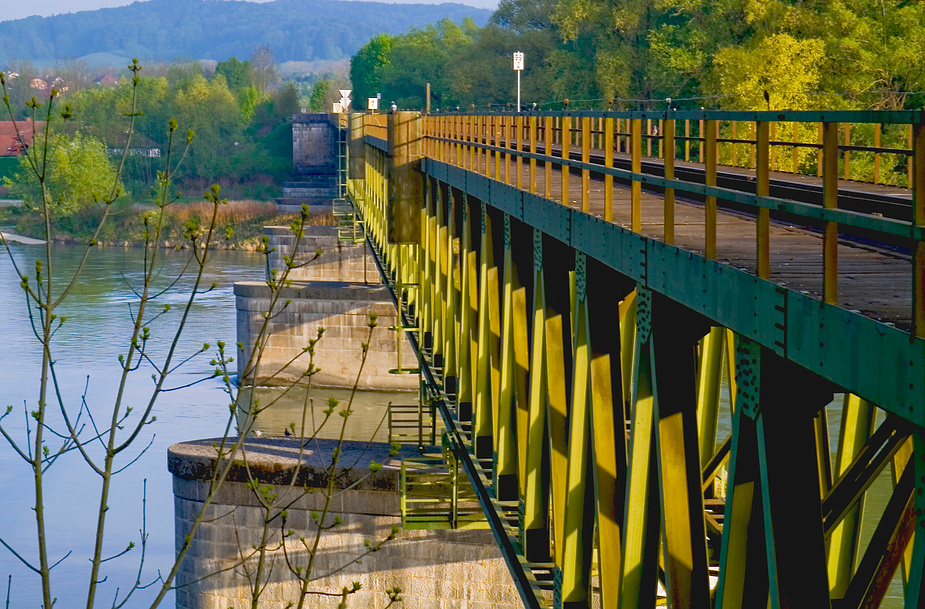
(107, 80)
(38, 84)
(16, 139)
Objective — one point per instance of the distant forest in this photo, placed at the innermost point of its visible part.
(165, 30)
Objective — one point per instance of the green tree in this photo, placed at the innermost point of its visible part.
(236, 73)
(78, 171)
(319, 93)
(365, 77)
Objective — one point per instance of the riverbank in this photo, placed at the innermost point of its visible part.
(239, 225)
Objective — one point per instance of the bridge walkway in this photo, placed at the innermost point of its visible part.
(873, 280)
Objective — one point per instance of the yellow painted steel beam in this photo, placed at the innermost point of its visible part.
(636, 165)
(520, 147)
(858, 419)
(505, 441)
(711, 161)
(451, 300)
(608, 162)
(743, 575)
(915, 586)
(763, 221)
(901, 460)
(439, 276)
(483, 410)
(585, 158)
(669, 154)
(607, 424)
(533, 149)
(709, 379)
(823, 451)
(468, 316)
(627, 314)
(558, 380)
(673, 337)
(830, 201)
(578, 518)
(641, 515)
(536, 533)
(565, 151)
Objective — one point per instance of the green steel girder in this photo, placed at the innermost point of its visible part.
(748, 305)
(849, 350)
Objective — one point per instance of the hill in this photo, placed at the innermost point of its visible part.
(164, 30)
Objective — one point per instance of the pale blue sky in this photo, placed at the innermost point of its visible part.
(18, 10)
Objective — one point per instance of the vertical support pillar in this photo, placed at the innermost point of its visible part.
(585, 158)
(641, 513)
(487, 377)
(535, 519)
(763, 224)
(533, 148)
(918, 211)
(743, 577)
(668, 146)
(857, 422)
(565, 153)
(830, 201)
(469, 315)
(607, 423)
(512, 314)
(557, 265)
(636, 167)
(518, 164)
(547, 165)
(357, 150)
(708, 390)
(915, 585)
(578, 519)
(674, 333)
(608, 163)
(790, 490)
(710, 209)
(451, 335)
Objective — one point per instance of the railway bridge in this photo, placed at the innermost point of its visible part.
(673, 361)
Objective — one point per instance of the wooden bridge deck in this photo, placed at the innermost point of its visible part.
(875, 281)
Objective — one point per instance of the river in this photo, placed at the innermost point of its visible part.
(87, 346)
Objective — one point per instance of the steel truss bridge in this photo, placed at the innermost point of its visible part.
(643, 350)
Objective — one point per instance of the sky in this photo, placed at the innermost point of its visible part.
(45, 8)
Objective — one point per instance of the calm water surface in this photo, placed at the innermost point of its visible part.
(87, 347)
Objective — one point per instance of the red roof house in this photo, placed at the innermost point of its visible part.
(14, 140)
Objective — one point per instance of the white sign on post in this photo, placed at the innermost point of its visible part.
(518, 67)
(372, 103)
(338, 108)
(344, 99)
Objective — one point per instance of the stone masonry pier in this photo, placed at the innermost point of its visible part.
(447, 569)
(337, 290)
